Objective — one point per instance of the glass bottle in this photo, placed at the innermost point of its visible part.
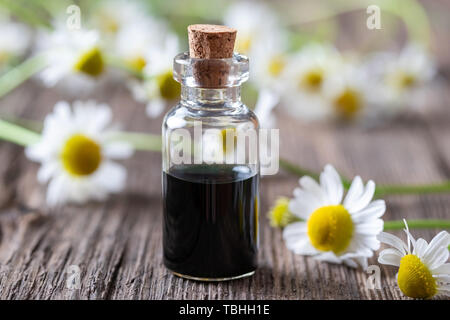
(210, 173)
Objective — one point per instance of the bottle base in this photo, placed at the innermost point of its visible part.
(185, 276)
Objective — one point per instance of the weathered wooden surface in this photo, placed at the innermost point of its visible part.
(117, 244)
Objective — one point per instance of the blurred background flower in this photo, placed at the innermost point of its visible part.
(75, 152)
(15, 39)
(73, 57)
(314, 60)
(296, 49)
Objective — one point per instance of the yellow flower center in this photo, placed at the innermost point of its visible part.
(137, 63)
(81, 156)
(225, 133)
(312, 80)
(403, 80)
(90, 62)
(168, 87)
(4, 57)
(276, 66)
(108, 23)
(348, 103)
(330, 228)
(415, 279)
(279, 215)
(243, 44)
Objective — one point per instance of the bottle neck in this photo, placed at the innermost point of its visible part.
(210, 98)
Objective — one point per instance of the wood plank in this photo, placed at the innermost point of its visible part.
(117, 244)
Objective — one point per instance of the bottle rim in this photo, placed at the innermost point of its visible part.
(233, 71)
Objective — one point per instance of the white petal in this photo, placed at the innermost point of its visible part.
(118, 150)
(370, 228)
(103, 117)
(439, 257)
(393, 241)
(92, 189)
(80, 190)
(297, 240)
(374, 210)
(111, 177)
(52, 74)
(362, 261)
(365, 198)
(155, 107)
(332, 184)
(420, 247)
(442, 239)
(62, 112)
(46, 171)
(301, 246)
(267, 100)
(303, 204)
(311, 186)
(390, 256)
(36, 152)
(92, 117)
(442, 278)
(57, 191)
(410, 239)
(295, 229)
(329, 257)
(371, 242)
(442, 269)
(357, 250)
(355, 191)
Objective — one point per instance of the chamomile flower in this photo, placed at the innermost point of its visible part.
(76, 152)
(159, 85)
(279, 215)
(256, 24)
(14, 40)
(270, 61)
(109, 17)
(305, 77)
(133, 40)
(350, 93)
(217, 144)
(423, 271)
(267, 101)
(73, 56)
(405, 76)
(335, 229)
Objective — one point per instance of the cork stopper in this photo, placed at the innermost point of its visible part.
(208, 41)
(211, 43)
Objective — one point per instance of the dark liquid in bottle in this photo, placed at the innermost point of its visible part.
(210, 220)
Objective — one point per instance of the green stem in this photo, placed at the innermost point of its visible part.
(151, 142)
(27, 12)
(140, 141)
(20, 73)
(382, 190)
(417, 224)
(16, 134)
(294, 169)
(32, 125)
(414, 16)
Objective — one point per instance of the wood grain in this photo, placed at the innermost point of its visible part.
(117, 244)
